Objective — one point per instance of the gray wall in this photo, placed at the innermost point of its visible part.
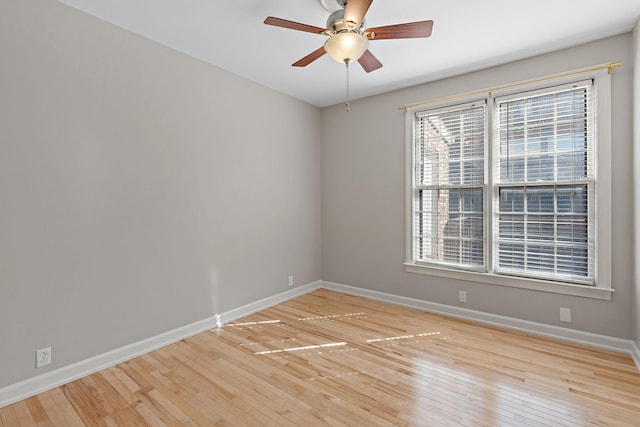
(141, 190)
(636, 168)
(363, 197)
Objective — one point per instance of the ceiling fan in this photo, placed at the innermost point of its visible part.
(348, 39)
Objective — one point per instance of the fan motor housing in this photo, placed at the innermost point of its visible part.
(336, 24)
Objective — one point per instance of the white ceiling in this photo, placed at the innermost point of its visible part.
(467, 35)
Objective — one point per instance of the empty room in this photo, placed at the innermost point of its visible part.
(319, 212)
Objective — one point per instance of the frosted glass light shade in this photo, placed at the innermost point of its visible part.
(343, 46)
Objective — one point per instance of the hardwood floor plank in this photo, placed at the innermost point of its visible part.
(59, 408)
(23, 415)
(38, 413)
(327, 358)
(8, 416)
(150, 418)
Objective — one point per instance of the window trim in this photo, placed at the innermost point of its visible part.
(602, 175)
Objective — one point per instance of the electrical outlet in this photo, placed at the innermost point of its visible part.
(291, 280)
(462, 296)
(565, 315)
(43, 357)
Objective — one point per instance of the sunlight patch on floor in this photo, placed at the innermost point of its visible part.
(306, 347)
(403, 337)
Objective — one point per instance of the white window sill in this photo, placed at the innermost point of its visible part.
(515, 282)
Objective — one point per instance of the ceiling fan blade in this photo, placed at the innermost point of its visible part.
(310, 58)
(369, 62)
(355, 11)
(279, 22)
(400, 31)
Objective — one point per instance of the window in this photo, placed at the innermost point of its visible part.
(450, 186)
(545, 184)
(506, 189)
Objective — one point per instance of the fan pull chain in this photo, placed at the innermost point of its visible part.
(346, 61)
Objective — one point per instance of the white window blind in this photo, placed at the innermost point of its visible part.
(449, 186)
(544, 222)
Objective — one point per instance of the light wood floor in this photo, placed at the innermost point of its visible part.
(331, 359)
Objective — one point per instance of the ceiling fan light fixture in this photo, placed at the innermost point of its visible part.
(346, 46)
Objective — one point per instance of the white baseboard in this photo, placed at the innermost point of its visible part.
(635, 353)
(245, 310)
(571, 335)
(41, 383)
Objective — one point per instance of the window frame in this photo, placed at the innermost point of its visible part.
(602, 288)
